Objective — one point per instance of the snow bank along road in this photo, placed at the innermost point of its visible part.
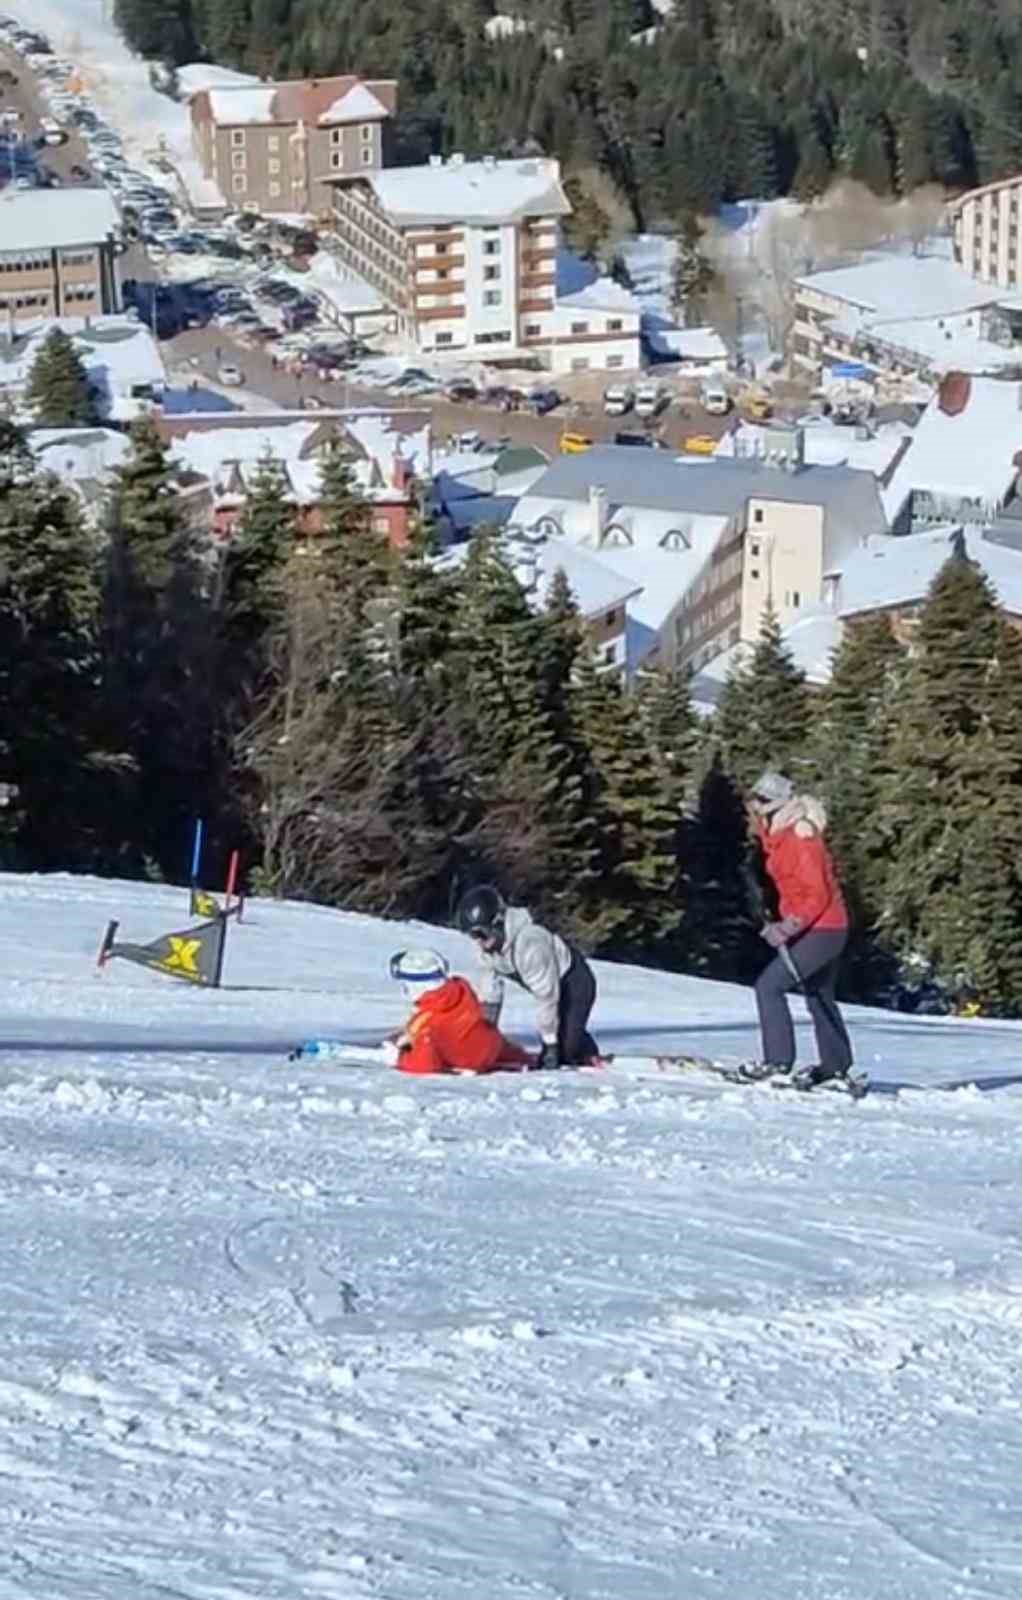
(296, 1331)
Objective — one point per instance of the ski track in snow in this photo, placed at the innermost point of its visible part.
(302, 1330)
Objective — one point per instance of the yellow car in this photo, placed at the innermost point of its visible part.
(573, 444)
(700, 444)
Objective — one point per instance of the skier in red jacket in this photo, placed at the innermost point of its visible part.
(809, 936)
(447, 1031)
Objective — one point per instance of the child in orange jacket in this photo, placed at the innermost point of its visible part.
(447, 1031)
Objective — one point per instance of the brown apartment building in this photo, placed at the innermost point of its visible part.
(58, 254)
(273, 146)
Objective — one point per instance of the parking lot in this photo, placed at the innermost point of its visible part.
(233, 306)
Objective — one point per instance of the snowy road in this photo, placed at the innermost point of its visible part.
(294, 1332)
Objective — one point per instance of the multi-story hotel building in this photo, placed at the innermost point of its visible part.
(985, 232)
(465, 255)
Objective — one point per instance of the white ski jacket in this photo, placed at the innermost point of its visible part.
(533, 957)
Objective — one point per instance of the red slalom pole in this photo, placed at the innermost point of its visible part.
(232, 878)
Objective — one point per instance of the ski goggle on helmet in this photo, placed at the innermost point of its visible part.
(481, 915)
(418, 971)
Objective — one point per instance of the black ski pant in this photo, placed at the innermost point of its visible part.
(576, 1001)
(816, 956)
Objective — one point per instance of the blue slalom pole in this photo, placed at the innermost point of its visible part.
(197, 850)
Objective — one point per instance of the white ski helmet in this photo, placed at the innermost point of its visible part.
(418, 971)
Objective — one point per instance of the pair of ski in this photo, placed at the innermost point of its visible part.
(855, 1085)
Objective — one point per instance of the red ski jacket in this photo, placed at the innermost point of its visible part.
(800, 865)
(449, 1033)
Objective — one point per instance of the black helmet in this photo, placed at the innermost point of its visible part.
(481, 914)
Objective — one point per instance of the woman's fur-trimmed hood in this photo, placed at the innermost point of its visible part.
(804, 813)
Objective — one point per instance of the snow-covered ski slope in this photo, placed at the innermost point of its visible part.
(280, 1331)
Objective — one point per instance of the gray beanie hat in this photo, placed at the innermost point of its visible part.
(773, 788)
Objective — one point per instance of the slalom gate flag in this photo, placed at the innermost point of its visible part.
(195, 954)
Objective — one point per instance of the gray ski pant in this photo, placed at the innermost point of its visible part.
(816, 956)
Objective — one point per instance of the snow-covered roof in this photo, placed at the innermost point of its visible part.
(596, 586)
(698, 344)
(119, 355)
(826, 444)
(238, 104)
(344, 289)
(79, 454)
(895, 571)
(602, 295)
(358, 105)
(198, 75)
(970, 456)
(204, 450)
(383, 435)
(892, 285)
(469, 191)
(55, 219)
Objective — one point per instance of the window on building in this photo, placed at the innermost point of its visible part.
(336, 160)
(273, 166)
(336, 135)
(238, 137)
(615, 361)
(533, 330)
(365, 133)
(77, 258)
(238, 160)
(754, 572)
(491, 297)
(754, 548)
(273, 142)
(491, 247)
(580, 327)
(609, 655)
(614, 325)
(381, 524)
(580, 364)
(239, 183)
(367, 155)
(611, 619)
(491, 274)
(503, 337)
(796, 598)
(441, 248)
(445, 338)
(443, 274)
(274, 191)
(757, 515)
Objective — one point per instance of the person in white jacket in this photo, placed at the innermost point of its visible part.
(557, 975)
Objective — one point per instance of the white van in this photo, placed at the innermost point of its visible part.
(649, 399)
(617, 399)
(52, 132)
(715, 398)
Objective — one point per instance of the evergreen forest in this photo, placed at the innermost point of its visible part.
(377, 731)
(719, 99)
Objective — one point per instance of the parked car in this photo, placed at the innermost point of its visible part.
(649, 400)
(639, 440)
(700, 444)
(715, 398)
(573, 444)
(617, 399)
(230, 376)
(461, 391)
(543, 400)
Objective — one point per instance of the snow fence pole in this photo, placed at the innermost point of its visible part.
(232, 878)
(108, 938)
(196, 851)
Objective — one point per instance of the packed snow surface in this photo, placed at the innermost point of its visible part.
(287, 1331)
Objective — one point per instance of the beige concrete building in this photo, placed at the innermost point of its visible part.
(273, 147)
(985, 232)
(708, 543)
(58, 254)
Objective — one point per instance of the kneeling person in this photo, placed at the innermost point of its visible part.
(448, 1030)
(557, 976)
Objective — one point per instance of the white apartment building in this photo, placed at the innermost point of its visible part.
(465, 254)
(985, 232)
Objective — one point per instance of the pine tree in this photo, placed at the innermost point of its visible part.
(691, 273)
(58, 385)
(49, 595)
(252, 574)
(950, 772)
(718, 937)
(815, 170)
(158, 657)
(635, 909)
(763, 715)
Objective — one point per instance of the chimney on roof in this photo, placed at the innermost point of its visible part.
(490, 162)
(457, 159)
(597, 513)
(436, 161)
